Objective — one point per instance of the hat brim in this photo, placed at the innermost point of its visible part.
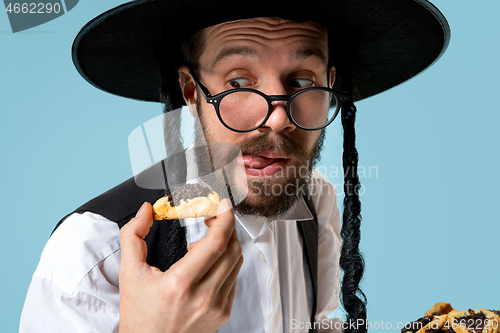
(387, 41)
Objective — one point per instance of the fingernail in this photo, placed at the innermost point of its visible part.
(139, 213)
(224, 206)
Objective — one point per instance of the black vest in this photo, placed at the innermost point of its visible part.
(166, 242)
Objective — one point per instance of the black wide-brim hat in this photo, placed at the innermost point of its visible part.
(384, 42)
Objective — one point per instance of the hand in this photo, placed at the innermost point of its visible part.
(195, 294)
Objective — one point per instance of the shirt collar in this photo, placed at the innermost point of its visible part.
(255, 226)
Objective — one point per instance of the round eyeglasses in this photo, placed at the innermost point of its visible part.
(245, 110)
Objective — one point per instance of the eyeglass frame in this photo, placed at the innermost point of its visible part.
(216, 99)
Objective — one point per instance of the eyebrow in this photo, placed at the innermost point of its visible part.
(311, 52)
(227, 52)
(247, 52)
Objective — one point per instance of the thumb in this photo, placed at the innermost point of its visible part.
(132, 234)
(223, 208)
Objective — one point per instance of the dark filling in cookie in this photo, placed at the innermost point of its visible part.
(447, 330)
(473, 323)
(170, 199)
(187, 191)
(416, 325)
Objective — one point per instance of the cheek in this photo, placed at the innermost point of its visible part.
(308, 138)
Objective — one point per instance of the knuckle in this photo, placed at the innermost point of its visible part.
(171, 296)
(126, 230)
(219, 245)
(227, 311)
(205, 304)
(218, 309)
(237, 249)
(230, 216)
(179, 282)
(175, 290)
(224, 311)
(209, 306)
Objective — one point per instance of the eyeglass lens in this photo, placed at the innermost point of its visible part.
(313, 108)
(245, 110)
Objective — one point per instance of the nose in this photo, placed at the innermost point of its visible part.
(278, 119)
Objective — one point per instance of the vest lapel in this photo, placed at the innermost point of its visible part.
(309, 232)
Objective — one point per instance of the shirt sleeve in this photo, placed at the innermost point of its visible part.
(75, 286)
(49, 309)
(329, 246)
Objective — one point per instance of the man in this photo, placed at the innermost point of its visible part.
(259, 75)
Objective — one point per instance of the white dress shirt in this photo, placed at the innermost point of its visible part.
(75, 286)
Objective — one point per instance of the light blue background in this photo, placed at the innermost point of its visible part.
(430, 221)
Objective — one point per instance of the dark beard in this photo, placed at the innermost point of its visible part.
(273, 196)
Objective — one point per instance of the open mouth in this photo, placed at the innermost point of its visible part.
(266, 164)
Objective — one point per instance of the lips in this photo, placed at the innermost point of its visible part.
(266, 164)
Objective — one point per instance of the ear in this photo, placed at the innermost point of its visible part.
(332, 76)
(188, 89)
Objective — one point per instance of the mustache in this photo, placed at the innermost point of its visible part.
(280, 143)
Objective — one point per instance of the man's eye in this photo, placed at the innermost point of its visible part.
(239, 82)
(300, 83)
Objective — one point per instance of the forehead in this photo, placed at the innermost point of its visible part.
(264, 37)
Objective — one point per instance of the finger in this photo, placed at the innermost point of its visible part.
(225, 296)
(197, 262)
(223, 267)
(190, 245)
(210, 221)
(224, 206)
(132, 234)
(232, 294)
(229, 286)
